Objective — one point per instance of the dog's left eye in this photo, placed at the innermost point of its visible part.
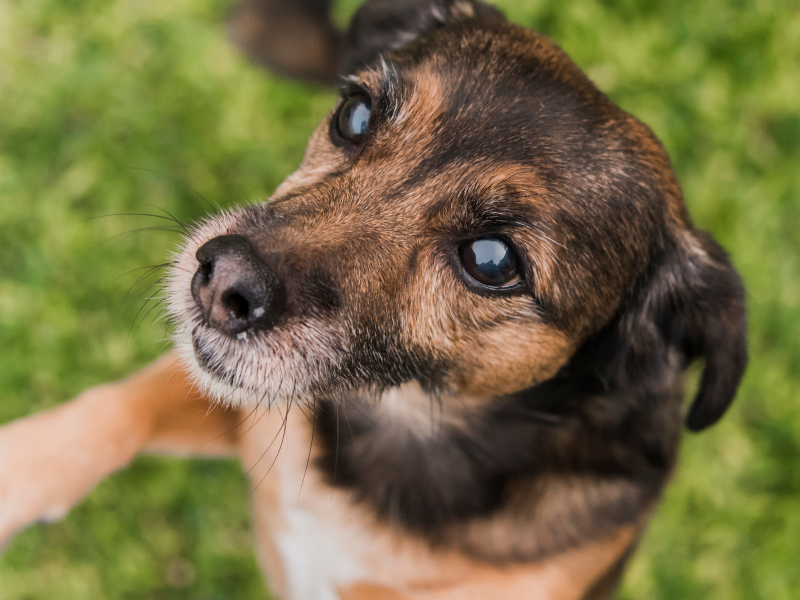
(491, 262)
(352, 120)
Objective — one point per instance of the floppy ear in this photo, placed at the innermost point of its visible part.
(699, 304)
(380, 26)
(295, 38)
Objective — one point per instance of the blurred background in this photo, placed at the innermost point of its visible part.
(122, 106)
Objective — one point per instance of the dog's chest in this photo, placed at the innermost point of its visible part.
(315, 543)
(311, 540)
(315, 557)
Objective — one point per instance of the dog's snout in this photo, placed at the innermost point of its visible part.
(234, 288)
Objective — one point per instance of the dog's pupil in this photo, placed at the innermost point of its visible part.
(490, 262)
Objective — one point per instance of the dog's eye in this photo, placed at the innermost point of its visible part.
(352, 119)
(490, 262)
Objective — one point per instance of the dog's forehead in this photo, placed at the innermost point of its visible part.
(471, 112)
(483, 109)
(476, 101)
(501, 92)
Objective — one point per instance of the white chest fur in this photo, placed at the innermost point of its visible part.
(305, 544)
(315, 557)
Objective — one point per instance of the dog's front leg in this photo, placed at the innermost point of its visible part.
(50, 460)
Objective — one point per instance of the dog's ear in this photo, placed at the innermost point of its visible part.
(695, 299)
(295, 38)
(712, 312)
(380, 26)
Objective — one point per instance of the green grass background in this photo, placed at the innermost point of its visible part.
(93, 91)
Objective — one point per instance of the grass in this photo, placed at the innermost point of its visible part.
(111, 106)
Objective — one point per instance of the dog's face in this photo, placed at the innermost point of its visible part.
(470, 214)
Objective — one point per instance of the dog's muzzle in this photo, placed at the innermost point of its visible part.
(236, 290)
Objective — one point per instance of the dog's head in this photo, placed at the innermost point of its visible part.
(475, 215)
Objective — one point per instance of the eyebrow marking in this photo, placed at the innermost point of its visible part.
(388, 96)
(390, 89)
(480, 210)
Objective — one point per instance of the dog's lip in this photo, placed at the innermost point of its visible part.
(205, 359)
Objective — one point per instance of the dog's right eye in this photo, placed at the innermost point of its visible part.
(352, 119)
(490, 262)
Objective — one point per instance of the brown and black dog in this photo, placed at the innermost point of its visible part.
(462, 325)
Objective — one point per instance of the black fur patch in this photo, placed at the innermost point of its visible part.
(612, 414)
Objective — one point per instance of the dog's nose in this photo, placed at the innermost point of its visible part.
(234, 288)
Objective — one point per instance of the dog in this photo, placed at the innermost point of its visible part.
(450, 349)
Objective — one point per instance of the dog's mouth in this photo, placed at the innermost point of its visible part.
(207, 361)
(280, 365)
(218, 355)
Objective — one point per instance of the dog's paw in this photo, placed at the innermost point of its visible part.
(50, 460)
(23, 475)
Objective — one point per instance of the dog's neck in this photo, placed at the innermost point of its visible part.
(457, 473)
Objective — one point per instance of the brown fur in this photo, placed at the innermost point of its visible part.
(418, 435)
(79, 438)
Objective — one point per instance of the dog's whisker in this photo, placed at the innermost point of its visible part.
(264, 453)
(132, 231)
(347, 420)
(136, 214)
(212, 207)
(161, 312)
(255, 415)
(283, 420)
(234, 428)
(140, 296)
(161, 266)
(365, 416)
(284, 427)
(142, 277)
(536, 415)
(310, 448)
(282, 432)
(146, 302)
(174, 219)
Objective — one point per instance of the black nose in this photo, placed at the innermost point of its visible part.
(234, 288)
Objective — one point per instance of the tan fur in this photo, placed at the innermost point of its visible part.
(375, 231)
(566, 577)
(49, 461)
(327, 218)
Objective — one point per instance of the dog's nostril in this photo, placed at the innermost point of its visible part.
(206, 269)
(236, 305)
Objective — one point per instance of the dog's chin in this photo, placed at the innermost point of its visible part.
(227, 374)
(213, 384)
(258, 369)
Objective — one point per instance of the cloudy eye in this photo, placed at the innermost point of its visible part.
(352, 120)
(490, 262)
